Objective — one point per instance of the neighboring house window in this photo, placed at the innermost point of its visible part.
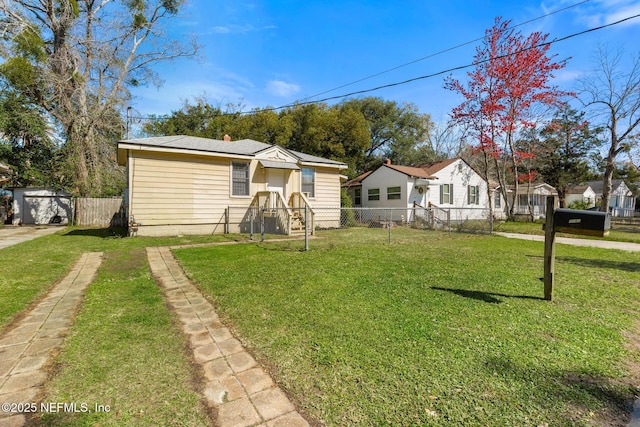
(446, 194)
(523, 200)
(357, 196)
(393, 193)
(472, 195)
(498, 200)
(374, 194)
(239, 179)
(309, 181)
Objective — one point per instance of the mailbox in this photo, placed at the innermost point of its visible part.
(590, 223)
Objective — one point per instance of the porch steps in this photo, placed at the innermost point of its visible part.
(297, 223)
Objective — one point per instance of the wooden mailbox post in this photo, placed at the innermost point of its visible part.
(570, 221)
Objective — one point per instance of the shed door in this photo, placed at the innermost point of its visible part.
(46, 210)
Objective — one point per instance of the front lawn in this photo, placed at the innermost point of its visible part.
(432, 329)
(125, 349)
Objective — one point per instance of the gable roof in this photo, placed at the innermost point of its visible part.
(578, 189)
(433, 168)
(598, 186)
(243, 147)
(412, 171)
(184, 142)
(424, 171)
(357, 180)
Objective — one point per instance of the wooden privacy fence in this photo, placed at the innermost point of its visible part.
(100, 212)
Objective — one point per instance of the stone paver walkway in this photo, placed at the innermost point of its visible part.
(26, 349)
(241, 391)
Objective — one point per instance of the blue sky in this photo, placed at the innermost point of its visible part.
(271, 53)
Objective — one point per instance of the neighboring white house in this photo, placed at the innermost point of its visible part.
(581, 194)
(531, 200)
(189, 185)
(451, 184)
(622, 203)
(41, 206)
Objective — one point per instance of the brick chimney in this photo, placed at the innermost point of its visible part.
(226, 138)
(387, 161)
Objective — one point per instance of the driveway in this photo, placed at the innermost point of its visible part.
(607, 244)
(12, 235)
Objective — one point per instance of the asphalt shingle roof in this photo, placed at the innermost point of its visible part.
(246, 147)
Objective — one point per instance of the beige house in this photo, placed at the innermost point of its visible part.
(190, 185)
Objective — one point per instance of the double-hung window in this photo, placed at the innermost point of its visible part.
(393, 193)
(374, 194)
(446, 194)
(240, 179)
(473, 198)
(309, 181)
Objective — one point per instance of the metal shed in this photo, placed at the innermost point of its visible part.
(41, 206)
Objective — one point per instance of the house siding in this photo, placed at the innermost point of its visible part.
(183, 193)
(179, 190)
(385, 177)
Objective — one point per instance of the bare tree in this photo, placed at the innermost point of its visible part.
(76, 59)
(613, 95)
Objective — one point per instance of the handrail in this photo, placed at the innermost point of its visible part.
(294, 201)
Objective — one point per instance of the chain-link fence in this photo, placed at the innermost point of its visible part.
(457, 220)
(259, 222)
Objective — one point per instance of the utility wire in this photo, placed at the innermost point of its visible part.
(439, 52)
(461, 67)
(426, 76)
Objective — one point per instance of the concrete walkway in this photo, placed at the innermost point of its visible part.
(240, 390)
(607, 244)
(27, 348)
(12, 235)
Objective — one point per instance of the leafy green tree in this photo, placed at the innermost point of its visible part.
(26, 145)
(396, 131)
(563, 150)
(76, 59)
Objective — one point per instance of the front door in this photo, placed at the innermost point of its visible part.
(277, 183)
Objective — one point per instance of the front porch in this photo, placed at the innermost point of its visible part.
(269, 213)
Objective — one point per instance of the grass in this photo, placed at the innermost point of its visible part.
(124, 353)
(30, 268)
(536, 228)
(124, 349)
(433, 330)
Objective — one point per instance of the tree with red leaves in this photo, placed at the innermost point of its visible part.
(510, 80)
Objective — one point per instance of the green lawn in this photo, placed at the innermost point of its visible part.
(429, 330)
(432, 329)
(125, 349)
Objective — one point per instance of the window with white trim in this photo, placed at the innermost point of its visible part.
(394, 193)
(374, 194)
(446, 194)
(473, 197)
(498, 200)
(309, 181)
(240, 179)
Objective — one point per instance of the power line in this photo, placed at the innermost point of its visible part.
(461, 67)
(440, 52)
(426, 76)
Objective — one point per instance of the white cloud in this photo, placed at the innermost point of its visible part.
(282, 89)
(566, 75)
(239, 29)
